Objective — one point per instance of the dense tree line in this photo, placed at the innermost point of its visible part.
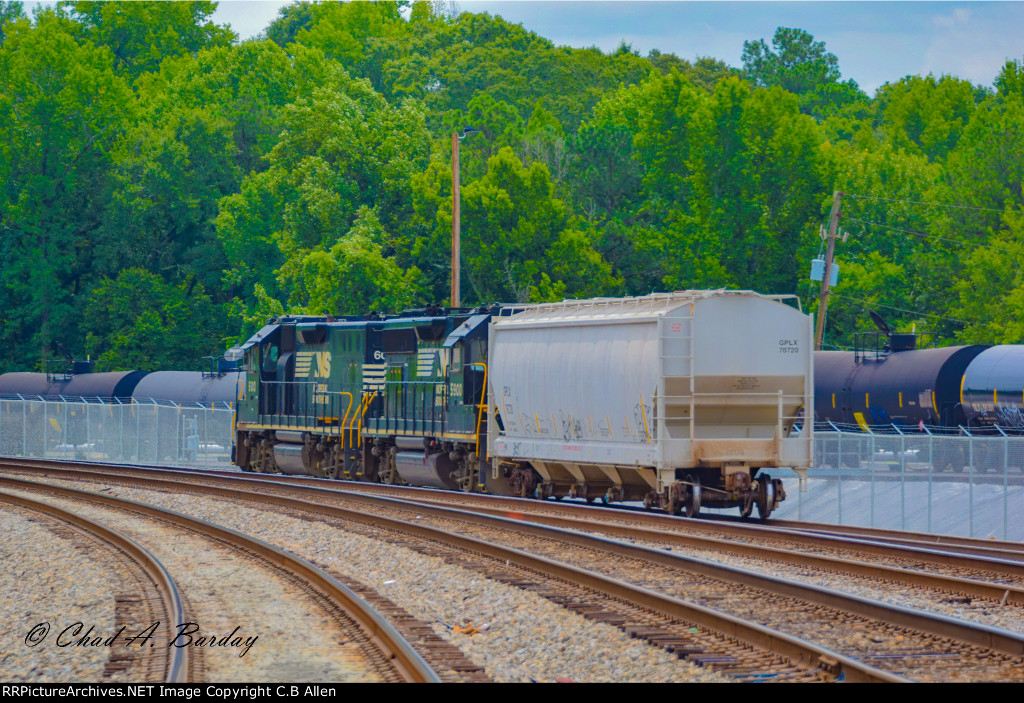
(165, 188)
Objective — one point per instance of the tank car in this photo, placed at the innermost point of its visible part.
(893, 385)
(992, 391)
(679, 399)
(33, 427)
(172, 407)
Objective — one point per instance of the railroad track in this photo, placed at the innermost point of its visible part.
(381, 647)
(892, 638)
(148, 595)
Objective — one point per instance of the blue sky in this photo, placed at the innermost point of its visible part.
(876, 42)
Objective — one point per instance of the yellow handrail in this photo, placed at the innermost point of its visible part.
(359, 431)
(347, 410)
(355, 416)
(481, 406)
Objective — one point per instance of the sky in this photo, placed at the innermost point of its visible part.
(875, 42)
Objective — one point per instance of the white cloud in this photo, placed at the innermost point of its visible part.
(960, 16)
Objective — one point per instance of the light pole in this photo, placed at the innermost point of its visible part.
(456, 138)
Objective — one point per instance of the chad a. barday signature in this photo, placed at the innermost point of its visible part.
(186, 635)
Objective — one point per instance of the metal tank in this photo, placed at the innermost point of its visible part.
(90, 386)
(637, 395)
(903, 388)
(992, 392)
(189, 387)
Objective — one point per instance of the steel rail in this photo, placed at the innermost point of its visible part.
(1003, 640)
(410, 665)
(937, 549)
(798, 533)
(756, 635)
(176, 667)
(761, 637)
(911, 577)
(980, 635)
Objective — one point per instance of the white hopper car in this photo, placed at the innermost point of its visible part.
(679, 400)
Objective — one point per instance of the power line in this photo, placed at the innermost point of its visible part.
(920, 202)
(892, 307)
(925, 235)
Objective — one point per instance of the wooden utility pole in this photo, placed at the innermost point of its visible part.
(455, 220)
(833, 232)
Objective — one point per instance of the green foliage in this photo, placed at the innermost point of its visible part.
(925, 115)
(140, 35)
(993, 273)
(62, 109)
(291, 19)
(164, 189)
(343, 152)
(517, 244)
(801, 66)
(137, 321)
(354, 277)
(1010, 81)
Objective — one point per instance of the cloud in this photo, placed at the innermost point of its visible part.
(960, 16)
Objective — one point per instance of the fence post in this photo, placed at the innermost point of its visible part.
(871, 470)
(931, 470)
(970, 482)
(1006, 482)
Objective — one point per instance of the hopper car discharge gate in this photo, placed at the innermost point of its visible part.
(685, 399)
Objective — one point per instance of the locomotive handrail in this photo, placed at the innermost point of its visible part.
(359, 430)
(481, 408)
(347, 411)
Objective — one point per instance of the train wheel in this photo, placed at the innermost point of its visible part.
(693, 498)
(648, 502)
(674, 499)
(748, 506)
(765, 496)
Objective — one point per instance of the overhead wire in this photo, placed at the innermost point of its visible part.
(925, 235)
(868, 305)
(921, 202)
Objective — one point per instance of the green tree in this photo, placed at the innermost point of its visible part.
(925, 115)
(142, 34)
(342, 150)
(10, 12)
(354, 277)
(137, 321)
(62, 110)
(290, 20)
(517, 242)
(801, 66)
(993, 273)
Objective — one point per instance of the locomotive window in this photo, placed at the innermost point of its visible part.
(270, 357)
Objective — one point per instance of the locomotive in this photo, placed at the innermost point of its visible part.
(678, 400)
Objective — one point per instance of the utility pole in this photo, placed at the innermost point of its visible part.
(455, 220)
(833, 232)
(456, 138)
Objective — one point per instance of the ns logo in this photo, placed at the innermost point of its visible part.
(317, 364)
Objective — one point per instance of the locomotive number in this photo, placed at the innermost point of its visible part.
(378, 355)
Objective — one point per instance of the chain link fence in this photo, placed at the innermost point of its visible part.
(150, 433)
(970, 486)
(963, 485)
